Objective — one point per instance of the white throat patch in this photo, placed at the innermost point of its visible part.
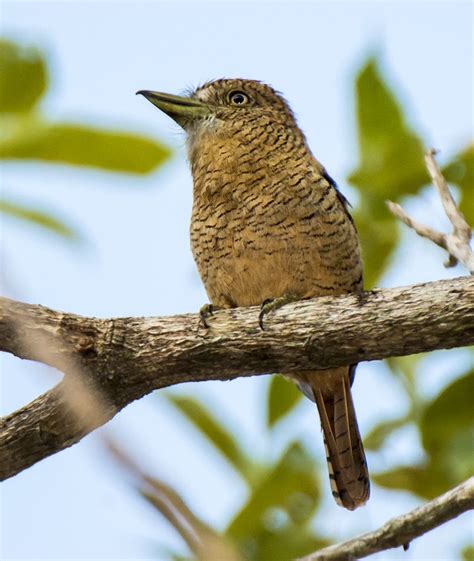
(198, 129)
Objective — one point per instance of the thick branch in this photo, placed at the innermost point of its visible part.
(400, 531)
(115, 361)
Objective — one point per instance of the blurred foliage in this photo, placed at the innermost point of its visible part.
(23, 77)
(27, 135)
(281, 504)
(282, 398)
(468, 553)
(391, 166)
(215, 432)
(289, 485)
(446, 425)
(377, 437)
(461, 171)
(39, 218)
(404, 369)
(76, 144)
(275, 521)
(203, 542)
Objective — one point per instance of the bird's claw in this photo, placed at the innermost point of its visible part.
(264, 309)
(272, 304)
(205, 312)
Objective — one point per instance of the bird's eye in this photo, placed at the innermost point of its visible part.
(238, 98)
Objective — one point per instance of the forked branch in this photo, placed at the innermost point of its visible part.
(455, 243)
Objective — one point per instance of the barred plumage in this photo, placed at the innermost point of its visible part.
(268, 221)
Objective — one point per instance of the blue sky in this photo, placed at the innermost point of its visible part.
(136, 258)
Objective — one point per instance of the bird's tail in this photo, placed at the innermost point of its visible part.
(348, 473)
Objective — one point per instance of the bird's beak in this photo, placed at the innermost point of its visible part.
(183, 110)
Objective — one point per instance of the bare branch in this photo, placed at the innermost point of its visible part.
(123, 359)
(423, 231)
(400, 531)
(457, 242)
(460, 226)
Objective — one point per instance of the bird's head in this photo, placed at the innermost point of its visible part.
(226, 104)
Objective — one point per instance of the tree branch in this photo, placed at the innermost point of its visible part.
(400, 531)
(109, 363)
(457, 242)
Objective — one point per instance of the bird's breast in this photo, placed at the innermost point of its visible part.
(246, 253)
(267, 222)
(240, 265)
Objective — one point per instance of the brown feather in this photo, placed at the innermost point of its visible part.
(267, 222)
(348, 473)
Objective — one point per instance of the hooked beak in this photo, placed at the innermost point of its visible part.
(183, 110)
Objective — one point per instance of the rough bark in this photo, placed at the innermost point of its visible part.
(111, 362)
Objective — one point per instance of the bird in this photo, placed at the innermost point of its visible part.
(269, 226)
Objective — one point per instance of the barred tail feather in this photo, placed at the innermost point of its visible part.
(348, 473)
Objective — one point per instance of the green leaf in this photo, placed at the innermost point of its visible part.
(286, 544)
(424, 481)
(290, 485)
(38, 218)
(461, 172)
(282, 398)
(468, 553)
(405, 370)
(376, 438)
(378, 235)
(447, 433)
(23, 77)
(447, 428)
(390, 153)
(390, 166)
(83, 146)
(213, 430)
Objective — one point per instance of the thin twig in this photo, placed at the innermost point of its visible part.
(423, 231)
(400, 531)
(460, 226)
(455, 243)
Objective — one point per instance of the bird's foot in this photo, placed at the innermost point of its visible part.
(205, 312)
(272, 304)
